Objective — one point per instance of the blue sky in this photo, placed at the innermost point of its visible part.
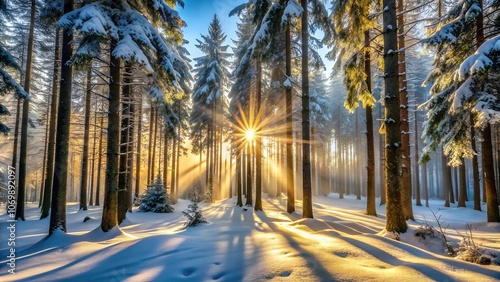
(198, 14)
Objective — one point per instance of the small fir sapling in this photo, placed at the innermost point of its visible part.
(156, 199)
(193, 213)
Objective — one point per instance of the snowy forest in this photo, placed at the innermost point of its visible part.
(314, 140)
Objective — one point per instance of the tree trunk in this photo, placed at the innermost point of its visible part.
(99, 162)
(59, 189)
(139, 145)
(289, 125)
(395, 218)
(152, 177)
(306, 150)
(239, 202)
(124, 136)
(86, 137)
(489, 176)
(417, 173)
(249, 187)
(165, 158)
(475, 173)
(463, 185)
(424, 182)
(258, 141)
(44, 160)
(110, 209)
(130, 152)
(382, 157)
(446, 180)
(173, 192)
(23, 152)
(150, 137)
(370, 143)
(406, 185)
(47, 193)
(94, 133)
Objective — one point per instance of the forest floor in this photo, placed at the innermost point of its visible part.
(238, 244)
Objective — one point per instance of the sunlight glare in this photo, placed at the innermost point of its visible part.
(250, 134)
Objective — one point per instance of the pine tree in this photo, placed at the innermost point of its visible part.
(193, 213)
(464, 82)
(156, 198)
(7, 61)
(353, 43)
(139, 43)
(209, 103)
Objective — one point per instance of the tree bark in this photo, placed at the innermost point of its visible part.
(47, 193)
(239, 201)
(492, 211)
(249, 187)
(124, 148)
(446, 180)
(406, 185)
(59, 189)
(86, 137)
(289, 125)
(150, 137)
(306, 149)
(395, 219)
(370, 142)
(110, 209)
(417, 173)
(258, 141)
(139, 145)
(463, 185)
(99, 162)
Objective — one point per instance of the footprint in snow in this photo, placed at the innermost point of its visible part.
(188, 271)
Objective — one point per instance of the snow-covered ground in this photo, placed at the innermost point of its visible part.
(238, 244)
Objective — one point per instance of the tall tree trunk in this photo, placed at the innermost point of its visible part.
(306, 149)
(94, 133)
(463, 185)
(446, 180)
(130, 152)
(173, 192)
(139, 145)
(59, 188)
(492, 211)
(239, 187)
(417, 173)
(124, 148)
(370, 142)
(383, 193)
(99, 162)
(110, 209)
(23, 152)
(406, 185)
(475, 173)
(424, 182)
(165, 157)
(177, 165)
(258, 141)
(45, 147)
(290, 207)
(155, 138)
(47, 186)
(86, 137)
(394, 209)
(150, 137)
(249, 187)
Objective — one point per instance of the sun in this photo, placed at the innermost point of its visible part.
(250, 134)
